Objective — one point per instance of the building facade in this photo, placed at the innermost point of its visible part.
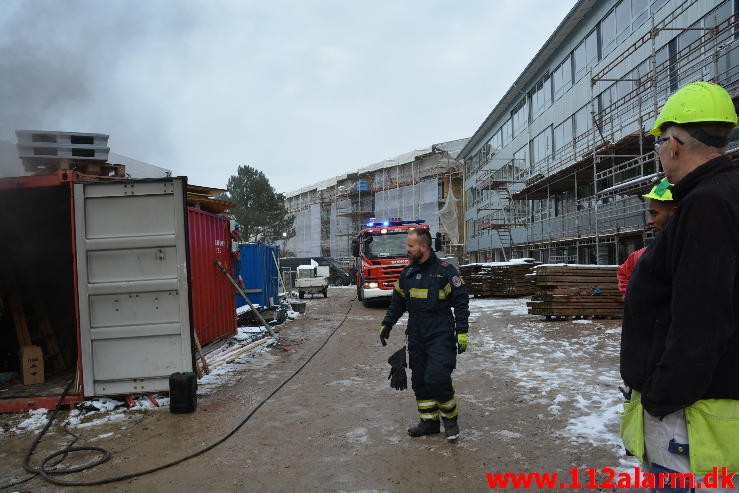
(556, 170)
(423, 184)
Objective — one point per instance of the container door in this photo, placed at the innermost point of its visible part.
(132, 284)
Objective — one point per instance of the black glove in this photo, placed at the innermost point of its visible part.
(397, 377)
(384, 334)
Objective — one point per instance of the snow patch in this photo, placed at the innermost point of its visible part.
(507, 435)
(358, 435)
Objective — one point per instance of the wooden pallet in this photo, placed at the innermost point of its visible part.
(90, 168)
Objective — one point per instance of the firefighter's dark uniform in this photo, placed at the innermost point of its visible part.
(429, 291)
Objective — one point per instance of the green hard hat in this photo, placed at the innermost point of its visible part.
(661, 191)
(697, 102)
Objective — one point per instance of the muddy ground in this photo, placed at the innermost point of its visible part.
(534, 396)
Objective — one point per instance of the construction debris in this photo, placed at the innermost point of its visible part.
(208, 199)
(576, 291)
(499, 278)
(229, 354)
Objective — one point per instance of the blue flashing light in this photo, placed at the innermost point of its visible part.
(369, 225)
(386, 223)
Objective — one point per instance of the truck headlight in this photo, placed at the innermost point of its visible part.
(370, 285)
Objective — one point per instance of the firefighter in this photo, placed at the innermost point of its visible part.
(429, 289)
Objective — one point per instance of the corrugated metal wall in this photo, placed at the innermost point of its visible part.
(213, 302)
(258, 270)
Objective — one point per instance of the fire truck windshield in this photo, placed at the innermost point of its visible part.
(382, 246)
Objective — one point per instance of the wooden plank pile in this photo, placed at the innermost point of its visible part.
(576, 291)
(208, 199)
(499, 278)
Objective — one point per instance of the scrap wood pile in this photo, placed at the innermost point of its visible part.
(576, 291)
(499, 278)
(232, 350)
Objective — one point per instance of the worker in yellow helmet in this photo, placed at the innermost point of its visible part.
(680, 337)
(660, 209)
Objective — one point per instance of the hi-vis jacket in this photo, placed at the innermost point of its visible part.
(429, 291)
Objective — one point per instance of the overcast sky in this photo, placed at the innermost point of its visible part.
(303, 90)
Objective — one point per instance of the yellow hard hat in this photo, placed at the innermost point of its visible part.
(697, 102)
(661, 191)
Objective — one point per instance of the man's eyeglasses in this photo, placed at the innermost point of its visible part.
(662, 140)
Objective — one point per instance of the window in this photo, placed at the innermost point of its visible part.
(562, 77)
(562, 136)
(582, 120)
(639, 12)
(520, 161)
(608, 33)
(519, 117)
(672, 56)
(541, 148)
(541, 97)
(586, 54)
(623, 21)
(687, 38)
(497, 141)
(506, 133)
(658, 4)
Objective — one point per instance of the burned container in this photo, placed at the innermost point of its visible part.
(94, 273)
(213, 302)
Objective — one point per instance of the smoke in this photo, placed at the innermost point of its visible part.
(77, 66)
(35, 85)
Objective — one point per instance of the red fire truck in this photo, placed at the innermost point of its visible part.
(380, 254)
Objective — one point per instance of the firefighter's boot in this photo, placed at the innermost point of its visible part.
(451, 429)
(427, 427)
(429, 423)
(449, 414)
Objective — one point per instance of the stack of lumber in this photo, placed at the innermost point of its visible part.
(498, 278)
(576, 291)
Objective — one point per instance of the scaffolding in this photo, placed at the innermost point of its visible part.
(412, 186)
(503, 214)
(588, 190)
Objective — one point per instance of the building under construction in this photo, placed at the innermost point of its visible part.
(423, 184)
(556, 170)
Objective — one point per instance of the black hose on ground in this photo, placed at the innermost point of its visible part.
(48, 471)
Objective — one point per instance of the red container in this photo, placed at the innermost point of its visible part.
(213, 302)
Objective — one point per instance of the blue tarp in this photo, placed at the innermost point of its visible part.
(258, 271)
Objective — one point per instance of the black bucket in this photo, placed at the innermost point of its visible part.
(183, 392)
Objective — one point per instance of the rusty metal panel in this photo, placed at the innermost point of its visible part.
(213, 301)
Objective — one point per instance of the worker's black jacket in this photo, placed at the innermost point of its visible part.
(680, 341)
(429, 291)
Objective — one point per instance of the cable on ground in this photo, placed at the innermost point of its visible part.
(49, 470)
